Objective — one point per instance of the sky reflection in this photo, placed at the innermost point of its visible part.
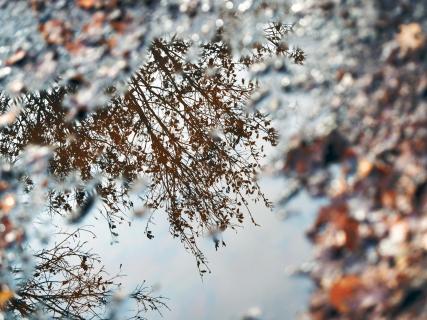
(249, 273)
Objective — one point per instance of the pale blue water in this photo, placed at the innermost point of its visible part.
(250, 272)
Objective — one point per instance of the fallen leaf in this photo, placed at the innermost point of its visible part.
(410, 37)
(16, 57)
(56, 32)
(364, 167)
(343, 291)
(88, 4)
(5, 296)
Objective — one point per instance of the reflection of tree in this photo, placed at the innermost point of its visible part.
(184, 124)
(69, 282)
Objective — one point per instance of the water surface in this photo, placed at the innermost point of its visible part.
(249, 273)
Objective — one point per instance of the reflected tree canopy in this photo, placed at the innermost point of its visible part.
(70, 282)
(183, 125)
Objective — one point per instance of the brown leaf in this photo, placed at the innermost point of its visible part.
(388, 198)
(55, 32)
(344, 291)
(336, 215)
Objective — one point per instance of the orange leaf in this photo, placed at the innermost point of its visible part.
(5, 296)
(364, 168)
(87, 4)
